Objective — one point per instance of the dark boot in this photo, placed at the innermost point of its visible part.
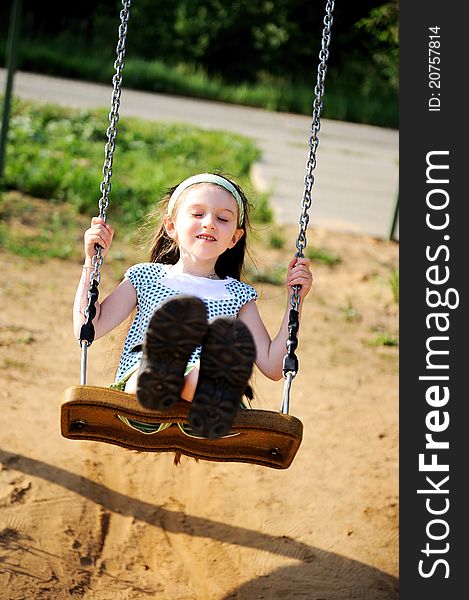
(228, 354)
(175, 329)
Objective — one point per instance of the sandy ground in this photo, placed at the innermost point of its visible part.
(82, 519)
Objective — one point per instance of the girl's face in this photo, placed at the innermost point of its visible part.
(205, 223)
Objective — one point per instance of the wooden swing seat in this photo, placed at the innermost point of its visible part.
(263, 437)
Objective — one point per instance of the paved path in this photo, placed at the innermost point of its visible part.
(357, 171)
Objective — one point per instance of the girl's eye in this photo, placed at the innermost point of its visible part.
(197, 214)
(223, 220)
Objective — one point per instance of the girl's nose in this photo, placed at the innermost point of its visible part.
(208, 221)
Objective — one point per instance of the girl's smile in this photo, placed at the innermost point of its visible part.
(204, 224)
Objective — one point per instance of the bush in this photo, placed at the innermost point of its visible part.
(58, 155)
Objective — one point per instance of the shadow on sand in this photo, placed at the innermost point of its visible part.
(321, 575)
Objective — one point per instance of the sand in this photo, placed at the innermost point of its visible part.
(87, 520)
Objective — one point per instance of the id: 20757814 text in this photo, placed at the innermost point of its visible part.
(434, 68)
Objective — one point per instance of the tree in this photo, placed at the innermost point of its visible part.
(381, 27)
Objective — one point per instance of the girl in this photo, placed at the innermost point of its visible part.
(197, 330)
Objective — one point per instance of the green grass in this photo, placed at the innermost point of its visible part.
(350, 313)
(323, 256)
(350, 95)
(384, 338)
(275, 275)
(35, 229)
(58, 154)
(262, 212)
(276, 240)
(394, 283)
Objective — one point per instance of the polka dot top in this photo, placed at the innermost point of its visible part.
(155, 282)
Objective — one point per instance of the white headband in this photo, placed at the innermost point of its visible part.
(207, 178)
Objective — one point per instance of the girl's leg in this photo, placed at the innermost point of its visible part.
(131, 383)
(190, 384)
(175, 329)
(187, 393)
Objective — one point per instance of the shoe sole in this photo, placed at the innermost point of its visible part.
(228, 354)
(174, 331)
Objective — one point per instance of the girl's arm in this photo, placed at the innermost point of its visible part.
(270, 353)
(119, 304)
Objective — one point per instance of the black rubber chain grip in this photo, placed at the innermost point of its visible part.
(290, 361)
(87, 329)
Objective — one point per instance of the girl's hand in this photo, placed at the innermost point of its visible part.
(299, 274)
(99, 233)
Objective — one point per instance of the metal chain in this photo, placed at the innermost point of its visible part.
(290, 361)
(301, 240)
(111, 132)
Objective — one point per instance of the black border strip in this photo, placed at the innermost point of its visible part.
(434, 239)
